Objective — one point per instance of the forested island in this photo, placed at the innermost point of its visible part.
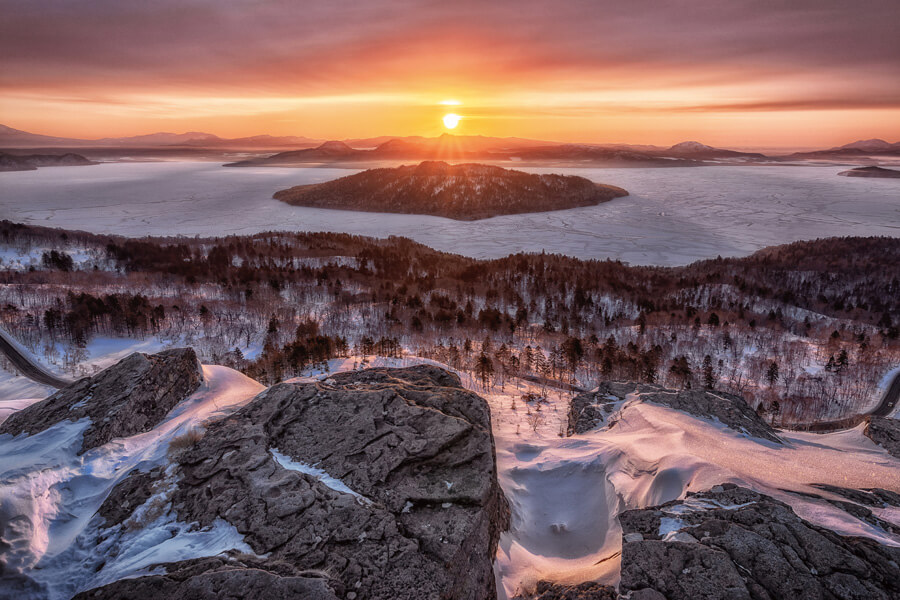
(466, 192)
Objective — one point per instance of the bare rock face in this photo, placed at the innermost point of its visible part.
(885, 432)
(593, 409)
(382, 481)
(590, 410)
(128, 398)
(876, 497)
(733, 543)
(220, 578)
(582, 591)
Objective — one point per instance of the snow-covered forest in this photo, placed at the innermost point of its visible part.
(805, 332)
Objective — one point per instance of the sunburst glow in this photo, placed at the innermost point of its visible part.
(451, 120)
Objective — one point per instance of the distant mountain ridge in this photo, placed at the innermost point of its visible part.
(449, 147)
(301, 149)
(16, 138)
(696, 150)
(872, 147)
(30, 162)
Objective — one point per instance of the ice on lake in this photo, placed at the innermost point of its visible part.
(673, 216)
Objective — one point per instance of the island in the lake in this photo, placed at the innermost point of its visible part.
(871, 172)
(465, 192)
(30, 162)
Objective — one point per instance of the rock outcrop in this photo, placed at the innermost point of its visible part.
(592, 409)
(546, 590)
(374, 484)
(885, 432)
(734, 543)
(877, 497)
(465, 192)
(131, 397)
(225, 577)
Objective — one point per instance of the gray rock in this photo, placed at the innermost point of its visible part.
(678, 570)
(128, 398)
(221, 578)
(646, 594)
(587, 410)
(546, 590)
(590, 410)
(752, 546)
(884, 432)
(876, 497)
(414, 447)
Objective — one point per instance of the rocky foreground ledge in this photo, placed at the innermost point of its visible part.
(732, 543)
(379, 484)
(129, 398)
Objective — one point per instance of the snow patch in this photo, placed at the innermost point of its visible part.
(319, 474)
(49, 495)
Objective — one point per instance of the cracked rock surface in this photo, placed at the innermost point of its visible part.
(386, 488)
(593, 409)
(734, 543)
(885, 432)
(546, 590)
(130, 397)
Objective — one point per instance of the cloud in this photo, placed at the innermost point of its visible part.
(569, 57)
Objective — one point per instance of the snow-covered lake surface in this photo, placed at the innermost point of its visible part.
(674, 216)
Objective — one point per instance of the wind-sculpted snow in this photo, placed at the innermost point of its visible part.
(55, 543)
(673, 217)
(565, 493)
(283, 470)
(382, 481)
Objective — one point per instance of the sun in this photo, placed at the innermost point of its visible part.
(451, 120)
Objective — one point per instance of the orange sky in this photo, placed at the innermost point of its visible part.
(760, 73)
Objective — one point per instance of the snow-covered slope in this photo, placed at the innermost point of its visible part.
(564, 492)
(49, 496)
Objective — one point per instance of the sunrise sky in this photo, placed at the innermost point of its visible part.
(789, 73)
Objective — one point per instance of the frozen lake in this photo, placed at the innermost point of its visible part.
(674, 216)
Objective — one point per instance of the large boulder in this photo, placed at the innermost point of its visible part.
(734, 543)
(593, 409)
(885, 432)
(381, 482)
(130, 397)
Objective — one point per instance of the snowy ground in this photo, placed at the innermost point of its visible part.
(48, 495)
(16, 259)
(564, 492)
(674, 216)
